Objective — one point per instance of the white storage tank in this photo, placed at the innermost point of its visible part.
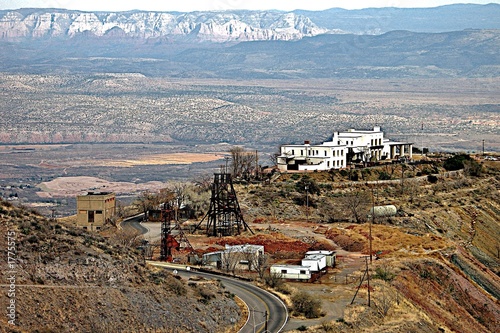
(384, 211)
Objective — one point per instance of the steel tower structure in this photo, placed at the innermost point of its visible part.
(224, 216)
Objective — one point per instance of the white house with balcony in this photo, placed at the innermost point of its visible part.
(344, 148)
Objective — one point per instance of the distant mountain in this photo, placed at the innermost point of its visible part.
(240, 25)
(196, 26)
(381, 20)
(467, 53)
(458, 41)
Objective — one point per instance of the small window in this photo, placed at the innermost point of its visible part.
(91, 216)
(302, 272)
(301, 152)
(85, 228)
(293, 152)
(98, 211)
(325, 153)
(283, 271)
(98, 228)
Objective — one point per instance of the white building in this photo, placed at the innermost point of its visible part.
(316, 262)
(330, 256)
(343, 149)
(294, 272)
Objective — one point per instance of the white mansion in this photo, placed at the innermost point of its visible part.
(345, 148)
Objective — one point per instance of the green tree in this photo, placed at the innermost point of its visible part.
(307, 184)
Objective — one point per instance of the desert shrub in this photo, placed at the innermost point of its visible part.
(326, 187)
(283, 288)
(432, 179)
(384, 300)
(306, 181)
(204, 293)
(472, 168)
(327, 326)
(32, 239)
(354, 176)
(384, 176)
(176, 286)
(456, 162)
(295, 176)
(274, 280)
(305, 304)
(384, 273)
(302, 328)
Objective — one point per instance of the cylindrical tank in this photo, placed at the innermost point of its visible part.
(384, 211)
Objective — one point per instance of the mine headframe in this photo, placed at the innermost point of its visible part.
(172, 235)
(168, 242)
(224, 216)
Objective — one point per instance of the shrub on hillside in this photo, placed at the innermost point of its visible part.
(463, 161)
(307, 305)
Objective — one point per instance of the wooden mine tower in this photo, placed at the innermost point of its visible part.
(172, 238)
(224, 216)
(167, 241)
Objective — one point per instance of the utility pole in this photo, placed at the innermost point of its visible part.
(372, 221)
(227, 159)
(368, 278)
(307, 203)
(367, 274)
(483, 147)
(422, 139)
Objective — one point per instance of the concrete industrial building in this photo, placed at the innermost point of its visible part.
(344, 148)
(95, 209)
(237, 257)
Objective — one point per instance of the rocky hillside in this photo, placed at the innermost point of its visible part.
(438, 259)
(66, 280)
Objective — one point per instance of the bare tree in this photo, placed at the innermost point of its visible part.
(204, 182)
(128, 237)
(179, 193)
(230, 259)
(145, 201)
(197, 201)
(357, 203)
(243, 163)
(260, 263)
(384, 299)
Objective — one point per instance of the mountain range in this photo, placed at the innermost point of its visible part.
(447, 41)
(240, 25)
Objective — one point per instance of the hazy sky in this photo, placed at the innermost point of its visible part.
(193, 5)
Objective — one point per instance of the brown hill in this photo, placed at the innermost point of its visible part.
(66, 280)
(438, 259)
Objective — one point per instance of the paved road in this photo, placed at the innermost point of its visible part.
(258, 301)
(134, 222)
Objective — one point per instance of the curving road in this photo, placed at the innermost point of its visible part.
(134, 222)
(258, 301)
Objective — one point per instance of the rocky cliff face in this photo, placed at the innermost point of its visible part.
(202, 26)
